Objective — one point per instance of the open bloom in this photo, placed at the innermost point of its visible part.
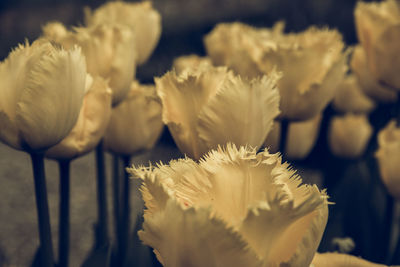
(142, 19)
(135, 123)
(233, 208)
(349, 135)
(388, 155)
(91, 125)
(369, 84)
(378, 30)
(210, 106)
(42, 88)
(312, 62)
(109, 51)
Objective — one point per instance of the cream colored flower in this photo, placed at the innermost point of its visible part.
(91, 125)
(341, 260)
(351, 98)
(312, 62)
(349, 135)
(109, 50)
(135, 123)
(233, 208)
(210, 106)
(42, 89)
(143, 20)
(378, 30)
(300, 140)
(182, 63)
(388, 155)
(368, 83)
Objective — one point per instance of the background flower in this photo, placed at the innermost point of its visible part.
(42, 88)
(233, 208)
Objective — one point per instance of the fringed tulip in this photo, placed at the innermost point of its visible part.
(378, 30)
(351, 98)
(182, 63)
(210, 106)
(388, 155)
(233, 208)
(91, 125)
(312, 62)
(143, 20)
(349, 135)
(109, 50)
(42, 88)
(368, 83)
(135, 123)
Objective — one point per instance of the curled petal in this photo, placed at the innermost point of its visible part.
(54, 91)
(91, 125)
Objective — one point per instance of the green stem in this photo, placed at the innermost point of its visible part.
(125, 211)
(46, 245)
(116, 200)
(64, 223)
(284, 134)
(102, 226)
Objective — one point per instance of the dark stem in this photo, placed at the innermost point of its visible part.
(46, 245)
(125, 211)
(396, 254)
(116, 200)
(284, 134)
(63, 239)
(102, 227)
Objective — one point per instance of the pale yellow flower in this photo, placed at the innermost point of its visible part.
(368, 83)
(233, 208)
(341, 260)
(388, 155)
(349, 135)
(193, 61)
(109, 50)
(300, 139)
(378, 30)
(42, 89)
(135, 123)
(350, 97)
(91, 125)
(210, 106)
(143, 20)
(312, 62)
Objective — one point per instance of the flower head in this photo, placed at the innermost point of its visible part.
(378, 30)
(209, 106)
(135, 123)
(42, 88)
(388, 157)
(233, 208)
(142, 19)
(91, 125)
(109, 51)
(312, 62)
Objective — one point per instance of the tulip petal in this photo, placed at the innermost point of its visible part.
(242, 112)
(9, 133)
(50, 104)
(336, 260)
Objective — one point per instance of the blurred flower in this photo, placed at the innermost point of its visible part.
(182, 63)
(233, 208)
(337, 260)
(143, 20)
(312, 62)
(368, 83)
(350, 97)
(300, 140)
(135, 123)
(109, 50)
(210, 106)
(388, 155)
(91, 125)
(349, 135)
(42, 88)
(378, 30)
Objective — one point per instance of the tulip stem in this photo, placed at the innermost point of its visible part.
(125, 211)
(284, 134)
(46, 245)
(116, 199)
(102, 226)
(63, 239)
